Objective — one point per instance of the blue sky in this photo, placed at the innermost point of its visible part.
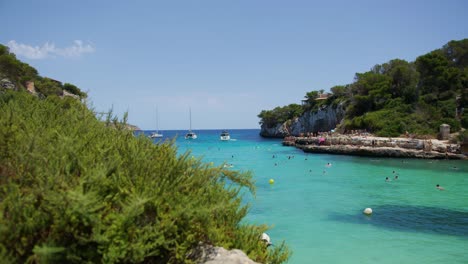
(227, 60)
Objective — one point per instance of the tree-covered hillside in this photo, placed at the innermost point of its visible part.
(20, 73)
(74, 189)
(400, 96)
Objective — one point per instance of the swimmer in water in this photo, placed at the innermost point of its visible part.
(440, 187)
(387, 179)
(328, 165)
(396, 177)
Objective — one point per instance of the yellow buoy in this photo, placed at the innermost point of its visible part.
(271, 181)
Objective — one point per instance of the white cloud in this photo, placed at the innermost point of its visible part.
(49, 50)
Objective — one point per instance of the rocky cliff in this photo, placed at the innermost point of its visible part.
(325, 119)
(277, 131)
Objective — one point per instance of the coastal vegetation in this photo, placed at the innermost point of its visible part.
(74, 189)
(20, 74)
(398, 96)
(280, 114)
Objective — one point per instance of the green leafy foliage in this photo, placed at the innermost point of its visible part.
(340, 91)
(463, 136)
(311, 96)
(74, 90)
(280, 114)
(48, 87)
(76, 190)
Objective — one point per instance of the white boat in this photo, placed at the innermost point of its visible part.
(156, 134)
(190, 134)
(225, 136)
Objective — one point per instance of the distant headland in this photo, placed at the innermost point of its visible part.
(421, 103)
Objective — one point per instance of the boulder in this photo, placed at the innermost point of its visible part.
(208, 254)
(7, 84)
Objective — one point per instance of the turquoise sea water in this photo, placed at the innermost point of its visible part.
(317, 209)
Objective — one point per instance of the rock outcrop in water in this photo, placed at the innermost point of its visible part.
(324, 119)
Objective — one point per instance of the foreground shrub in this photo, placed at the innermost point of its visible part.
(74, 190)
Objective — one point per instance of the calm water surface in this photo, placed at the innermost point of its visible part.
(317, 209)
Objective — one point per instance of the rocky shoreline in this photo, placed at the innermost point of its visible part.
(377, 146)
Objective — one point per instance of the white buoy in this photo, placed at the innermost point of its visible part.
(266, 238)
(367, 211)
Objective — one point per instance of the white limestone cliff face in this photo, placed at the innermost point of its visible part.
(325, 119)
(278, 131)
(322, 120)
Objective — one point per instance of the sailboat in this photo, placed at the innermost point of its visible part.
(156, 134)
(190, 134)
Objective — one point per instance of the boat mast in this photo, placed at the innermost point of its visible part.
(190, 114)
(157, 121)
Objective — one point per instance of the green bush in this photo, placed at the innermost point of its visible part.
(463, 137)
(48, 87)
(74, 90)
(77, 190)
(279, 115)
(464, 121)
(386, 123)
